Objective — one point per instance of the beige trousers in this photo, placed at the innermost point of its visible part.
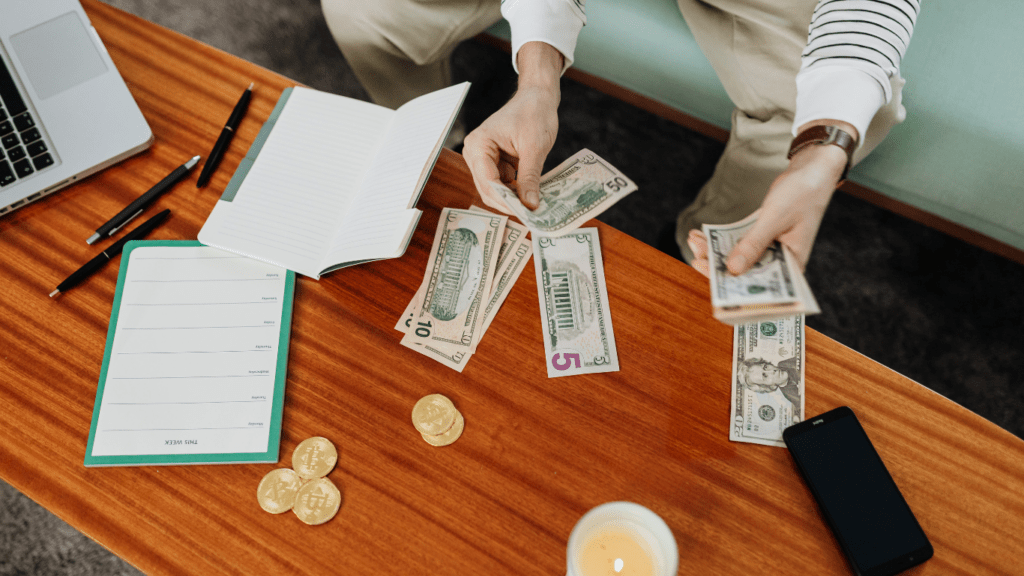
(400, 49)
(755, 47)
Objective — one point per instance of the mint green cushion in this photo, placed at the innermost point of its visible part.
(959, 154)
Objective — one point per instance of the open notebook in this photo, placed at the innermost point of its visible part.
(331, 181)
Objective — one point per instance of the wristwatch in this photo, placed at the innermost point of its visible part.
(825, 135)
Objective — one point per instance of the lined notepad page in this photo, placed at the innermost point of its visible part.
(194, 355)
(382, 215)
(291, 203)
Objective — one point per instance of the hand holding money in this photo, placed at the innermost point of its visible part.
(577, 190)
(575, 318)
(468, 276)
(796, 201)
(520, 134)
(773, 287)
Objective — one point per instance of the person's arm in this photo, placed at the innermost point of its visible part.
(512, 144)
(854, 47)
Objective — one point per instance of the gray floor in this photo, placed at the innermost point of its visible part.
(933, 308)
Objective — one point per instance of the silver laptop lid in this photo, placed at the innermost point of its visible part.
(65, 111)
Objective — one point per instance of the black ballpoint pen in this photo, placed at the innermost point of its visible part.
(136, 207)
(113, 250)
(224, 140)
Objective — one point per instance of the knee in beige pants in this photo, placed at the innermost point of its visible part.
(399, 49)
(757, 60)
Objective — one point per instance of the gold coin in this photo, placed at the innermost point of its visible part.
(450, 436)
(314, 457)
(433, 414)
(276, 492)
(317, 501)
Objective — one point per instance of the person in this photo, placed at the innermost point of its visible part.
(802, 68)
(762, 376)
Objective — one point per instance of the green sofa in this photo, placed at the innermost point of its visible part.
(960, 153)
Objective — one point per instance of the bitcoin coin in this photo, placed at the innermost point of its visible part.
(314, 457)
(433, 414)
(276, 492)
(317, 501)
(450, 436)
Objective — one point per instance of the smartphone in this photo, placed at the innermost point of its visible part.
(858, 497)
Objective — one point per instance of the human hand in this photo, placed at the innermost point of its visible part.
(512, 144)
(794, 206)
(698, 243)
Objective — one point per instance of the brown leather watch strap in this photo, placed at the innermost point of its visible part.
(824, 135)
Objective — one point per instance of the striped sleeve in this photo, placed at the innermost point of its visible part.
(554, 22)
(854, 48)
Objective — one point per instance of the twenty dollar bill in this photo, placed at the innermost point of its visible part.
(767, 380)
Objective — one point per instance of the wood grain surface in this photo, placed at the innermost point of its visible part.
(536, 453)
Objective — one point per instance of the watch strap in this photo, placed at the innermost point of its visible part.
(826, 135)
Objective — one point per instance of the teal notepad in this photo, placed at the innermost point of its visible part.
(196, 359)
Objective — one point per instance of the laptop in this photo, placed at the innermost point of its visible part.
(65, 111)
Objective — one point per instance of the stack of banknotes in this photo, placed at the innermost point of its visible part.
(774, 287)
(766, 307)
(477, 256)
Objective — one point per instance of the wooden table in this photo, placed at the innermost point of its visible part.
(536, 453)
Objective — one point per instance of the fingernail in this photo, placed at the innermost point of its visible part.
(737, 262)
(533, 198)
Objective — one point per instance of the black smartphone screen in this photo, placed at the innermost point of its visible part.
(856, 493)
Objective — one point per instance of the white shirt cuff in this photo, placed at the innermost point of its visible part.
(554, 22)
(838, 93)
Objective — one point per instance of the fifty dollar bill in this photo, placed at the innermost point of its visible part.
(577, 190)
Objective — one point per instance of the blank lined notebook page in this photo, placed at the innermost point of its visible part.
(380, 217)
(194, 357)
(291, 202)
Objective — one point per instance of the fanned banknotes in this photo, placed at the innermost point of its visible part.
(767, 380)
(773, 288)
(458, 279)
(577, 323)
(509, 261)
(577, 190)
(515, 252)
